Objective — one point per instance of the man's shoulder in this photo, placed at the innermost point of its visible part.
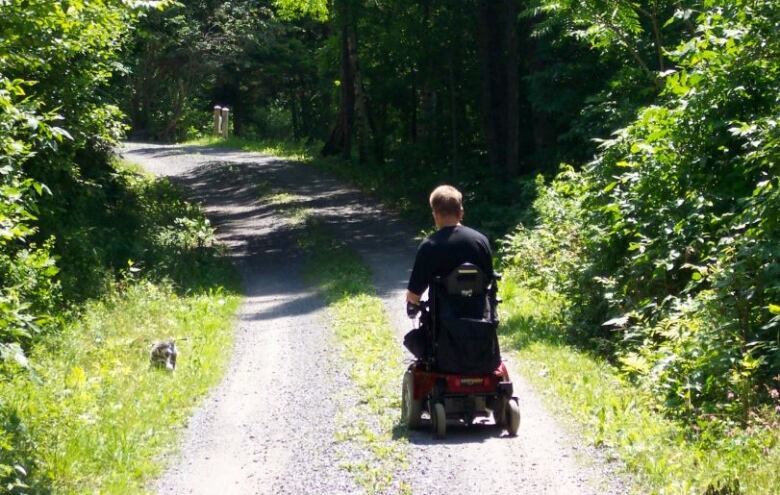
(427, 242)
(426, 247)
(473, 233)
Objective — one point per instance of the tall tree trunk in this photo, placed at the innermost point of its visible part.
(454, 153)
(509, 38)
(426, 121)
(138, 112)
(340, 140)
(295, 117)
(368, 145)
(539, 137)
(500, 92)
(304, 106)
(347, 84)
(490, 94)
(365, 126)
(413, 113)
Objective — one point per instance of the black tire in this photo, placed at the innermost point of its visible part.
(411, 409)
(512, 417)
(439, 419)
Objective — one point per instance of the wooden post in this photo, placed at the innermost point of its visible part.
(217, 120)
(225, 121)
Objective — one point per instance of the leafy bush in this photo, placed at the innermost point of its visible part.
(666, 246)
(27, 269)
(57, 126)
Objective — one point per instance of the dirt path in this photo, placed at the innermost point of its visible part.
(268, 428)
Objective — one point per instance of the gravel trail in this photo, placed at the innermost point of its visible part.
(253, 435)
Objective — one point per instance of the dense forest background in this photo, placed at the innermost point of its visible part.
(623, 154)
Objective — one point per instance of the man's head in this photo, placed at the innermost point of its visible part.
(447, 205)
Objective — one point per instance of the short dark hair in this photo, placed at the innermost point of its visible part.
(446, 200)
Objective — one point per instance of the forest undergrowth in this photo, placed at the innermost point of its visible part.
(592, 396)
(661, 256)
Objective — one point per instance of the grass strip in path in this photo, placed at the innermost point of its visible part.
(291, 150)
(369, 348)
(367, 345)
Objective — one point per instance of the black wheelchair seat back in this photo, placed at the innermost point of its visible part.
(464, 321)
(466, 280)
(466, 292)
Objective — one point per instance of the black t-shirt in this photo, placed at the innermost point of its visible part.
(446, 250)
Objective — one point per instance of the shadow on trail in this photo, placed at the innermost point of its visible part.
(457, 433)
(289, 304)
(236, 188)
(164, 151)
(236, 195)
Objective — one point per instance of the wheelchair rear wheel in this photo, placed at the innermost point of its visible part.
(512, 417)
(411, 409)
(439, 420)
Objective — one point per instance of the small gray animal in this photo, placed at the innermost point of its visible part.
(163, 355)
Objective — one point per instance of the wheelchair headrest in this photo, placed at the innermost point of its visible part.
(467, 280)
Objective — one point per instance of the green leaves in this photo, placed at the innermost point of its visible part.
(679, 224)
(318, 9)
(56, 58)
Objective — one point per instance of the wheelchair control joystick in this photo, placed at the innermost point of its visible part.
(412, 309)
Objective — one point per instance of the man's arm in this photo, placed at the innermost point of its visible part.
(418, 281)
(421, 273)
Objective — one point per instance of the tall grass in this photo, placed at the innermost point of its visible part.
(97, 418)
(665, 457)
(89, 415)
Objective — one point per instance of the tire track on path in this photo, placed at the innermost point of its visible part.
(259, 440)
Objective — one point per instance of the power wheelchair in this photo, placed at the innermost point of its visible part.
(458, 374)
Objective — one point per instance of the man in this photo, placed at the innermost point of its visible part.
(452, 245)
